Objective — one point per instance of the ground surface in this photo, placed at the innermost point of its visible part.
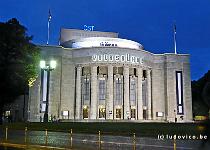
(148, 136)
(113, 128)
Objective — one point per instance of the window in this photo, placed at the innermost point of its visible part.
(118, 93)
(133, 91)
(144, 74)
(179, 93)
(102, 89)
(44, 85)
(86, 89)
(144, 93)
(43, 107)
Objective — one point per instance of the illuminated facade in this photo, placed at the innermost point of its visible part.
(102, 77)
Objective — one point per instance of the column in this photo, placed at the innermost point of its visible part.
(149, 94)
(78, 94)
(93, 105)
(139, 94)
(110, 100)
(126, 93)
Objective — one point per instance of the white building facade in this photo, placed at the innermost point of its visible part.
(100, 77)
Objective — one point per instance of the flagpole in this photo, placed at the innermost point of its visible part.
(48, 31)
(175, 39)
(48, 27)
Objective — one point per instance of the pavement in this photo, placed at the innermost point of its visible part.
(16, 139)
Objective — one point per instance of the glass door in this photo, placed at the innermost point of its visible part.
(102, 113)
(133, 113)
(85, 112)
(118, 113)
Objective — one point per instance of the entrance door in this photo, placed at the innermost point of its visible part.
(144, 114)
(85, 112)
(102, 113)
(118, 113)
(133, 113)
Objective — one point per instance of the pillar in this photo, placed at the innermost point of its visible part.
(126, 93)
(110, 100)
(78, 93)
(149, 86)
(93, 105)
(139, 94)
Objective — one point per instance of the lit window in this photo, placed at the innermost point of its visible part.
(118, 113)
(118, 93)
(85, 112)
(102, 89)
(144, 92)
(133, 113)
(102, 112)
(133, 91)
(86, 89)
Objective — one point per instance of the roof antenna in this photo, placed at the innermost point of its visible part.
(175, 38)
(48, 26)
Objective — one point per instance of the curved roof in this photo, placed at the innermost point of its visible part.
(102, 42)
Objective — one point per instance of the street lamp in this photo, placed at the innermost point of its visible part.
(48, 67)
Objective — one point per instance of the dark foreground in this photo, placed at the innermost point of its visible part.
(112, 128)
(61, 140)
(120, 135)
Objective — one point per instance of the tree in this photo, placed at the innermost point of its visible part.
(206, 94)
(200, 95)
(19, 60)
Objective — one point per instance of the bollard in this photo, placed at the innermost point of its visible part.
(26, 129)
(99, 140)
(134, 141)
(174, 144)
(71, 138)
(6, 133)
(46, 134)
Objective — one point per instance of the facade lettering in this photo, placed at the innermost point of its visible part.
(108, 44)
(117, 58)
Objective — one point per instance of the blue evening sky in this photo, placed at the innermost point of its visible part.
(149, 22)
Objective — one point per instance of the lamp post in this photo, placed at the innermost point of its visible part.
(48, 67)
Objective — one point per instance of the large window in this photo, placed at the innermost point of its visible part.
(179, 92)
(133, 91)
(43, 91)
(144, 92)
(86, 89)
(118, 89)
(102, 89)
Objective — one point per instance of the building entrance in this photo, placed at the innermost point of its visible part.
(102, 113)
(85, 112)
(144, 114)
(118, 113)
(133, 113)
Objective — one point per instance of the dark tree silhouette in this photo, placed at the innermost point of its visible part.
(201, 95)
(19, 60)
(206, 94)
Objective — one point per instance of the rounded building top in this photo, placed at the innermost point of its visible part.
(102, 42)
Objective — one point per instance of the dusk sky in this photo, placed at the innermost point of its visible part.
(149, 22)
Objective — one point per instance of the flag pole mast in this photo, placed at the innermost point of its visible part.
(48, 27)
(175, 39)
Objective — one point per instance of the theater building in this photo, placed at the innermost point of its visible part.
(101, 77)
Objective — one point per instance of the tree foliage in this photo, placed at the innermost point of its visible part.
(19, 60)
(201, 95)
